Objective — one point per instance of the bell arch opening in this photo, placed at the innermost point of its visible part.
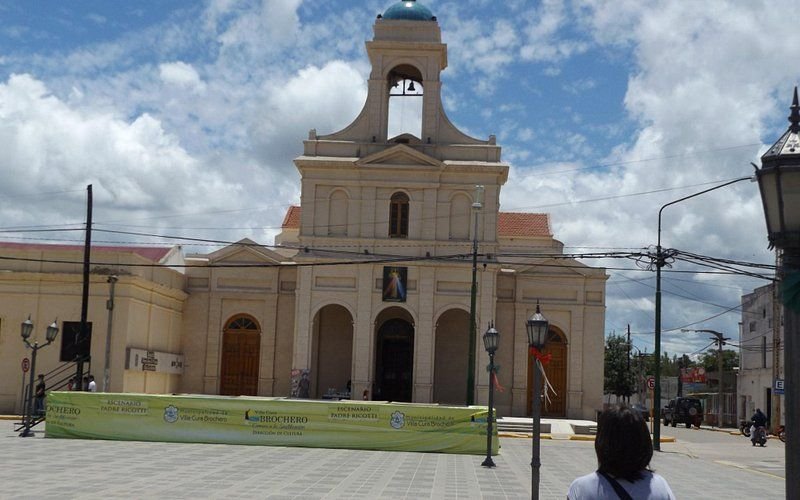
(405, 102)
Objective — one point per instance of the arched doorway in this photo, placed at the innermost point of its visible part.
(451, 358)
(241, 348)
(394, 361)
(556, 371)
(332, 356)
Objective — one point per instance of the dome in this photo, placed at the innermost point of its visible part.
(408, 10)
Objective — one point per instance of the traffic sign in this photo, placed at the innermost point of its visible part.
(779, 386)
(26, 365)
(651, 383)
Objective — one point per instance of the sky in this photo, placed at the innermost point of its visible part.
(185, 117)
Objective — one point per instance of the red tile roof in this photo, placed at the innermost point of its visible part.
(510, 224)
(292, 219)
(154, 254)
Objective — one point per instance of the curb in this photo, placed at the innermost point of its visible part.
(573, 437)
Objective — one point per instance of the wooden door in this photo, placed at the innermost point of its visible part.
(556, 371)
(241, 345)
(395, 361)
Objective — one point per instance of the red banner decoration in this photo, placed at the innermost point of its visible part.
(496, 383)
(543, 358)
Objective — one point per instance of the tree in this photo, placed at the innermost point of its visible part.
(730, 359)
(618, 379)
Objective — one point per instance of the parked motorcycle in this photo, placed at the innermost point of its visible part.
(781, 432)
(744, 427)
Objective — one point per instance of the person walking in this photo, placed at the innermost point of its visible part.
(39, 396)
(92, 386)
(624, 451)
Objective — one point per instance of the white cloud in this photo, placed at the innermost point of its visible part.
(133, 166)
(181, 74)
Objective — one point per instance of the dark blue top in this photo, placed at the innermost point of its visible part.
(409, 10)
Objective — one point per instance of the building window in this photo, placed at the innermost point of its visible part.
(763, 352)
(752, 326)
(398, 216)
(242, 323)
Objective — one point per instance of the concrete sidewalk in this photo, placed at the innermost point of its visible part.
(64, 468)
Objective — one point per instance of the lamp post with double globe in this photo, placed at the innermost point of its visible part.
(26, 329)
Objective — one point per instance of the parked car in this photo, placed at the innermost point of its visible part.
(643, 410)
(687, 411)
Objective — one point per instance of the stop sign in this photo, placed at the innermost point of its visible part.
(26, 365)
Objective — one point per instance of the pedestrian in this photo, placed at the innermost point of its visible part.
(92, 387)
(624, 451)
(39, 396)
(305, 386)
(71, 384)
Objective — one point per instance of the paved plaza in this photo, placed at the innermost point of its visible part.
(39, 467)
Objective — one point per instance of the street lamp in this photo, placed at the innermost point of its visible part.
(779, 183)
(720, 340)
(537, 326)
(26, 329)
(660, 261)
(491, 340)
(477, 206)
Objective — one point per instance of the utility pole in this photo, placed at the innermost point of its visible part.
(628, 371)
(112, 280)
(477, 205)
(84, 333)
(720, 339)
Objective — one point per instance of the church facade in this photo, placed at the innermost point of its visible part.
(368, 291)
(377, 299)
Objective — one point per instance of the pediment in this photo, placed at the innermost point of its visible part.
(245, 251)
(400, 156)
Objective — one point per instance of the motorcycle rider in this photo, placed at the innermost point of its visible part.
(759, 426)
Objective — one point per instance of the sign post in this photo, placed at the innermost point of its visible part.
(26, 365)
(651, 385)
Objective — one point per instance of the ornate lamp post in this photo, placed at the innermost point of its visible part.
(538, 327)
(491, 340)
(25, 331)
(779, 183)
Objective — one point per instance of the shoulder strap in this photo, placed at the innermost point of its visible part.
(623, 495)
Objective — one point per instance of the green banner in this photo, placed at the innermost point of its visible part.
(366, 425)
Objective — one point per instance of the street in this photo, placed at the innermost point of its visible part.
(702, 464)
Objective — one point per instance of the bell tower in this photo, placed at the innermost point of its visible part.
(369, 183)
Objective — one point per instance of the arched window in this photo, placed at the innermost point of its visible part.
(242, 323)
(398, 216)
